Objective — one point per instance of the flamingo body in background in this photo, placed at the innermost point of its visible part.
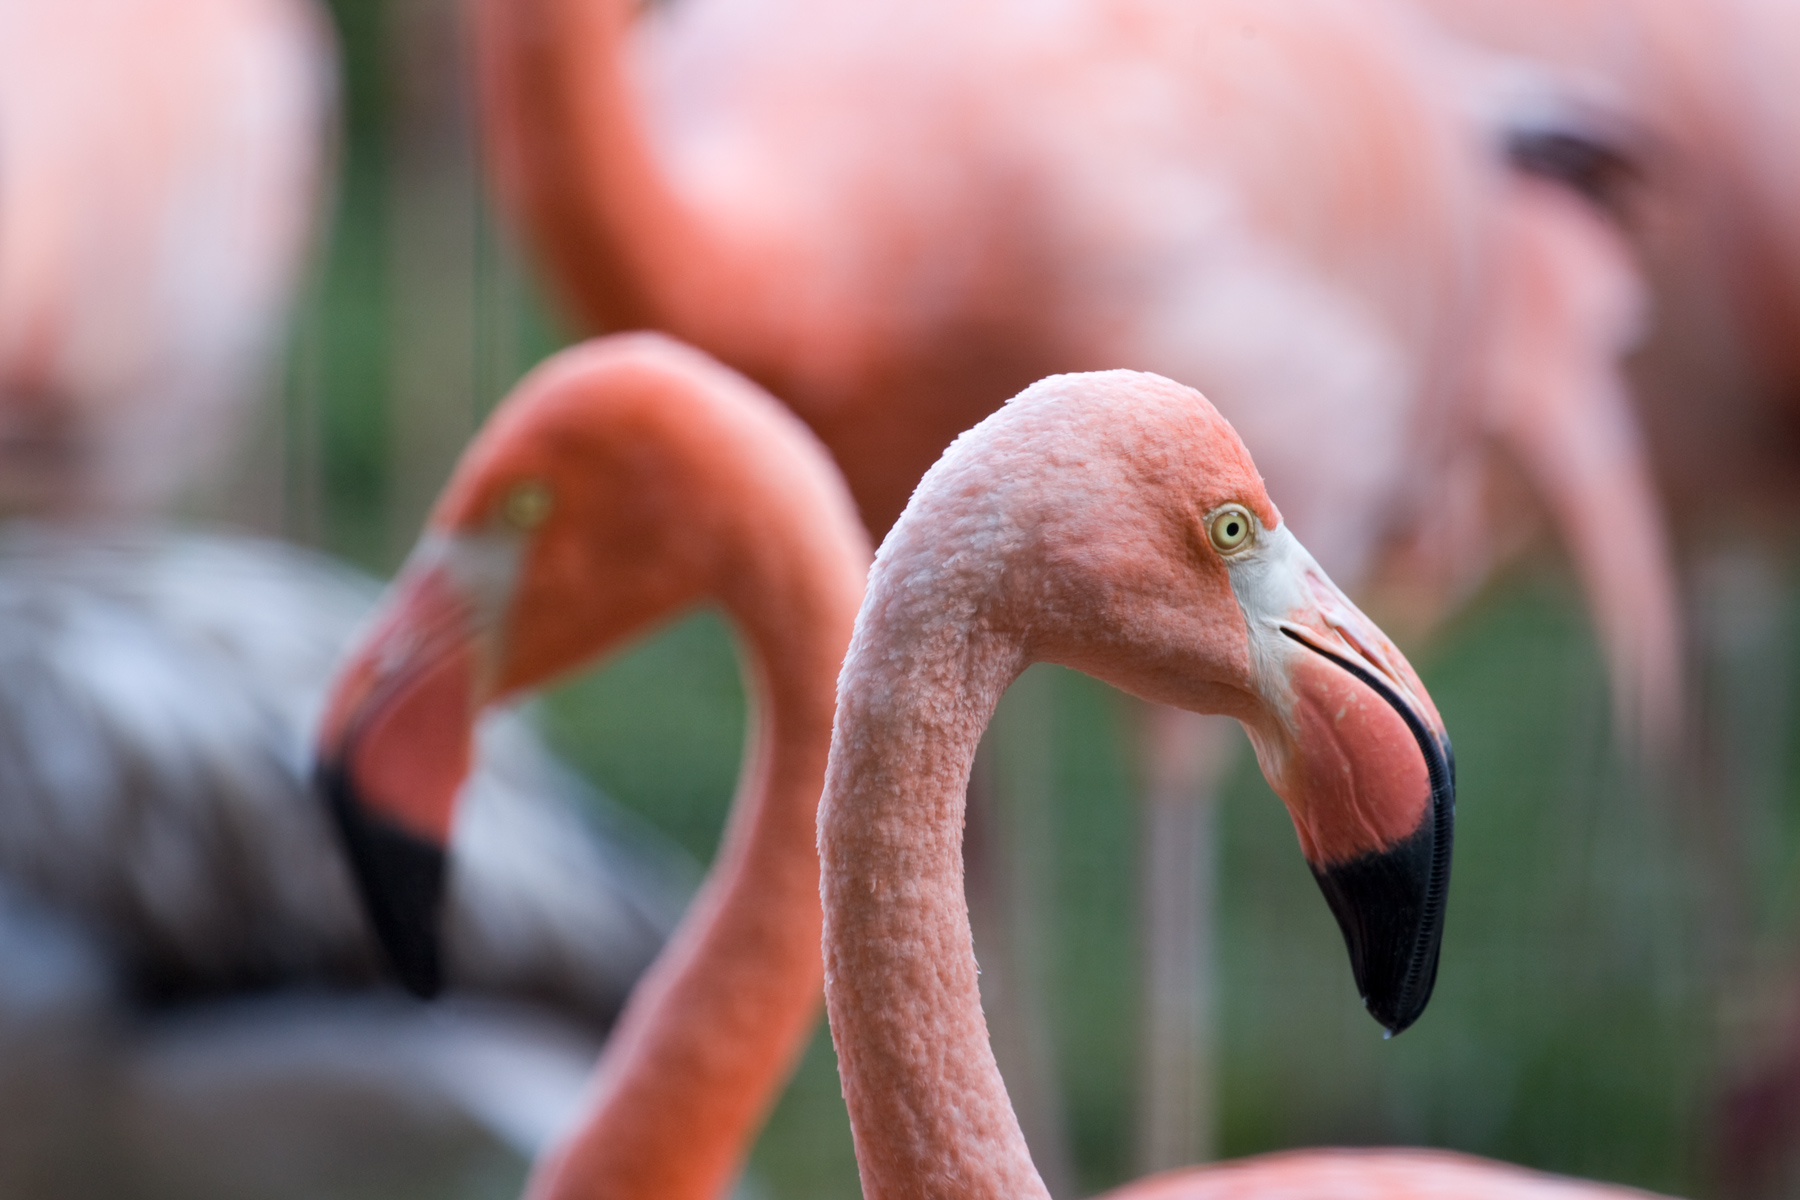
(623, 481)
(893, 215)
(1113, 523)
(1693, 99)
(161, 170)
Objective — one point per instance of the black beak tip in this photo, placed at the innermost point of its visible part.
(1390, 902)
(1397, 1008)
(400, 877)
(1390, 906)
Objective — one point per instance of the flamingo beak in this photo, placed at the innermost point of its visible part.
(1365, 768)
(394, 748)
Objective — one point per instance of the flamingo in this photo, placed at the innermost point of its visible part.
(1114, 523)
(162, 168)
(893, 215)
(622, 481)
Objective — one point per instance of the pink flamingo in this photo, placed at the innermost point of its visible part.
(892, 216)
(623, 481)
(1113, 523)
(162, 163)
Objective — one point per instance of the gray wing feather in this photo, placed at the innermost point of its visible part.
(158, 693)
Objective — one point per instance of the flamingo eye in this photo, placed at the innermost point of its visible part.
(527, 505)
(1230, 529)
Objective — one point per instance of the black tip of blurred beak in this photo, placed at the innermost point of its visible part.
(401, 878)
(1390, 903)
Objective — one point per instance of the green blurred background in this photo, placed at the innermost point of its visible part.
(1618, 941)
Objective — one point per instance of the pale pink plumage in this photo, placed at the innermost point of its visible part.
(894, 215)
(1699, 95)
(1366, 1175)
(159, 170)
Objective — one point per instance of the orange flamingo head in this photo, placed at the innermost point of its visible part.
(618, 484)
(1119, 526)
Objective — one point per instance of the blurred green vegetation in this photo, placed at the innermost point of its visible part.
(1577, 1022)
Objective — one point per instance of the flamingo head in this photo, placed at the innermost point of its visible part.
(1145, 551)
(611, 489)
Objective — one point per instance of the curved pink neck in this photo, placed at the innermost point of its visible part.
(928, 1108)
(714, 1028)
(572, 159)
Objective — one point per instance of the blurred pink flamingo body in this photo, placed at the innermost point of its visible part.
(161, 164)
(890, 217)
(1697, 98)
(1094, 522)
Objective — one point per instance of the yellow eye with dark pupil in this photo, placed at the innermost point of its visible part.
(527, 505)
(1229, 530)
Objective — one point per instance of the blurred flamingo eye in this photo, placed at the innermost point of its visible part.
(1230, 529)
(527, 505)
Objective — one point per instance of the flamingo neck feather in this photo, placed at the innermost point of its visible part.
(928, 1107)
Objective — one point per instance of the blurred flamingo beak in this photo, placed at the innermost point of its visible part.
(1364, 765)
(394, 748)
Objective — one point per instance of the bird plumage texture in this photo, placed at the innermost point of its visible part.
(1693, 99)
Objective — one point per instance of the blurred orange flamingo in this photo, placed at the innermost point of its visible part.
(1114, 523)
(623, 481)
(892, 215)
